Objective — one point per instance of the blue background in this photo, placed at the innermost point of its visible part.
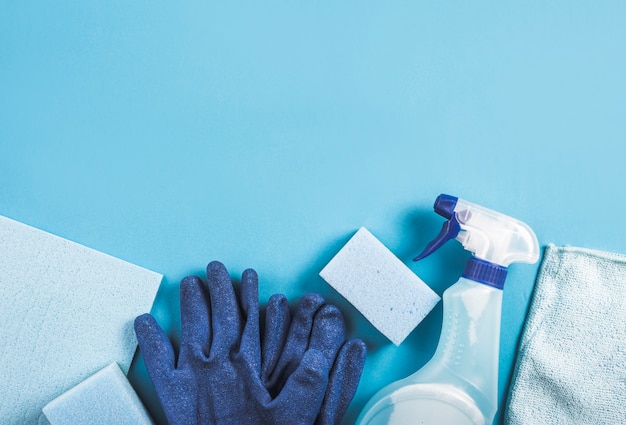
(264, 134)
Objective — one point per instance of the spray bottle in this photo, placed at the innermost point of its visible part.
(459, 385)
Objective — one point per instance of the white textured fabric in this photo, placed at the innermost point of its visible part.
(571, 366)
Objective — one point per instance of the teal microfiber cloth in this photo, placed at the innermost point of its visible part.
(66, 311)
(571, 366)
(102, 399)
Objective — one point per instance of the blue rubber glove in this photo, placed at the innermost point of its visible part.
(315, 325)
(306, 372)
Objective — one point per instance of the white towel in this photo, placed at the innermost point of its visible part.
(571, 365)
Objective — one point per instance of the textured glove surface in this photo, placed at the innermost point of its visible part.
(302, 372)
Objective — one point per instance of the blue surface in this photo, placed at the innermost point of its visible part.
(264, 135)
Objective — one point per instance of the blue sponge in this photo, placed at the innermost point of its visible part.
(104, 398)
(380, 286)
(66, 312)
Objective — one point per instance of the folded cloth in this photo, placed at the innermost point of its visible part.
(571, 366)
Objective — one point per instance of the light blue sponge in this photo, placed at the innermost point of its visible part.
(102, 399)
(66, 311)
(380, 286)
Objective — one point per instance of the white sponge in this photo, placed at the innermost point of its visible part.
(104, 398)
(380, 286)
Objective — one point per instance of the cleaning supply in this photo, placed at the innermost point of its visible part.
(571, 364)
(66, 311)
(305, 373)
(363, 270)
(458, 386)
(102, 399)
(315, 325)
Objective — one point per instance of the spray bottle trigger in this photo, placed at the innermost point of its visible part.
(449, 230)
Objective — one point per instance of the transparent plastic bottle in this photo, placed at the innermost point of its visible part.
(459, 384)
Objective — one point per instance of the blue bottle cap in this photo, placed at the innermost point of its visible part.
(485, 272)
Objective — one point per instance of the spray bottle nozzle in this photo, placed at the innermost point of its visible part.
(489, 235)
(444, 205)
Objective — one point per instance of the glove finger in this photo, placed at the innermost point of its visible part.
(342, 382)
(250, 340)
(277, 319)
(225, 319)
(297, 339)
(303, 393)
(155, 347)
(194, 319)
(329, 332)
